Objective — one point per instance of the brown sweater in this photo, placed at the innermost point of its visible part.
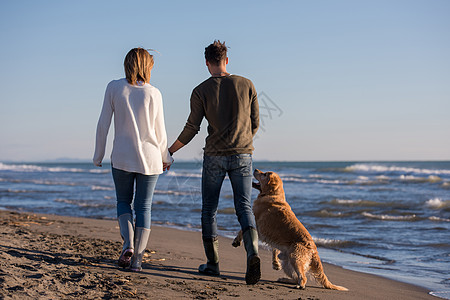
(230, 105)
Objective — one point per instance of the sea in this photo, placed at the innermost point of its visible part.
(386, 218)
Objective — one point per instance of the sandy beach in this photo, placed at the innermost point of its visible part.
(57, 257)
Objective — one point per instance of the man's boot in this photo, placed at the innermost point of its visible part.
(211, 246)
(141, 236)
(253, 274)
(127, 233)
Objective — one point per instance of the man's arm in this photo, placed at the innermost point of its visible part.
(175, 147)
(255, 114)
(192, 126)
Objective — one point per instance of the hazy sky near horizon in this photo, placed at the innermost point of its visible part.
(337, 80)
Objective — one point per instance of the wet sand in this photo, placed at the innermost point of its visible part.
(57, 257)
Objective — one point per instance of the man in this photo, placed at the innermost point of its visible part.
(230, 105)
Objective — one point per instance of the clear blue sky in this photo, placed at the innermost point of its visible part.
(341, 80)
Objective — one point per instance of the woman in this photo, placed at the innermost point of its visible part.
(139, 152)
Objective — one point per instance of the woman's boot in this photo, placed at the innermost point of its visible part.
(253, 273)
(211, 267)
(141, 236)
(127, 233)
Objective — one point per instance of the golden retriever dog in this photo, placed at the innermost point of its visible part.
(279, 228)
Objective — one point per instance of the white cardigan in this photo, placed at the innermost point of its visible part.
(140, 140)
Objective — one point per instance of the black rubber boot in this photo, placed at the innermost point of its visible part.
(253, 274)
(211, 246)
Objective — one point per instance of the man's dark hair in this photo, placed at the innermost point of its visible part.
(216, 52)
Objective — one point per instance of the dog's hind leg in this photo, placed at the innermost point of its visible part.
(287, 269)
(237, 240)
(276, 265)
(300, 271)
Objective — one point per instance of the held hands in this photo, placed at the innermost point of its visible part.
(166, 166)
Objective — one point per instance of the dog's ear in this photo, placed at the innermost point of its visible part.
(273, 180)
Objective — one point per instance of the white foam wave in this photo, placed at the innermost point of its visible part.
(13, 191)
(18, 191)
(411, 178)
(441, 294)
(83, 203)
(446, 185)
(329, 214)
(184, 174)
(438, 219)
(101, 188)
(314, 176)
(36, 168)
(437, 203)
(389, 217)
(329, 181)
(356, 202)
(384, 169)
(328, 242)
(294, 179)
(346, 201)
(189, 192)
(44, 182)
(312, 179)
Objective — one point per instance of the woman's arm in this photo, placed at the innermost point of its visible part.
(102, 128)
(161, 134)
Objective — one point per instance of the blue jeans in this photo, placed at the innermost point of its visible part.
(239, 170)
(142, 204)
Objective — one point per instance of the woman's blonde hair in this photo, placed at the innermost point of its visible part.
(138, 65)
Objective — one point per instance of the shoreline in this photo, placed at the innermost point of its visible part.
(49, 256)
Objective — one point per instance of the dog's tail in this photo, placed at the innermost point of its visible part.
(318, 273)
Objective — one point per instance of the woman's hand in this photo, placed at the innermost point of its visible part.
(166, 166)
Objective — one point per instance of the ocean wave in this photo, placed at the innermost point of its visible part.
(294, 179)
(36, 168)
(101, 188)
(383, 217)
(446, 185)
(438, 219)
(183, 174)
(391, 169)
(437, 203)
(329, 214)
(414, 179)
(360, 180)
(357, 202)
(37, 181)
(441, 294)
(43, 182)
(330, 243)
(86, 204)
(178, 193)
(320, 180)
(12, 191)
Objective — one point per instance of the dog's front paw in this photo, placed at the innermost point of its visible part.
(276, 266)
(236, 243)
